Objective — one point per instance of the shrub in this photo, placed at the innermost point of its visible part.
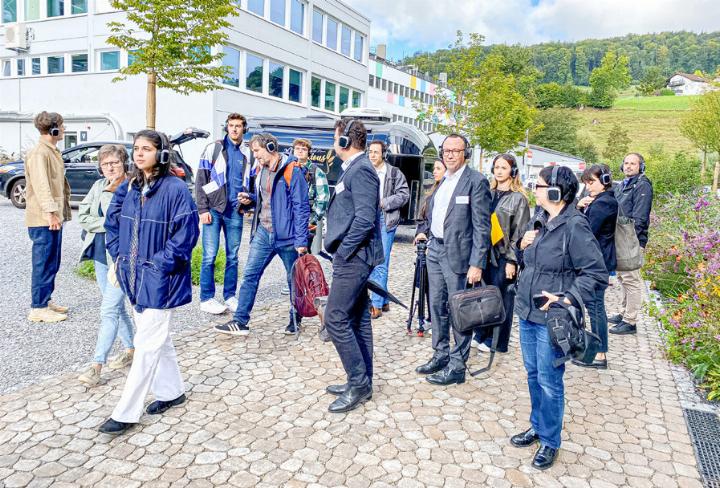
(86, 269)
(667, 92)
(670, 176)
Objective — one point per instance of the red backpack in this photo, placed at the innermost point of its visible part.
(308, 282)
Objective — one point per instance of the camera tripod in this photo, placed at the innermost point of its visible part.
(420, 283)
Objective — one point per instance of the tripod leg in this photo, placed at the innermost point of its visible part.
(412, 302)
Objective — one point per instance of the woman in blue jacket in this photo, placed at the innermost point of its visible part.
(151, 229)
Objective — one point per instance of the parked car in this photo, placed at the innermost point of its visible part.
(81, 167)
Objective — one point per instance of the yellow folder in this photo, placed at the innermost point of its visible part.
(496, 232)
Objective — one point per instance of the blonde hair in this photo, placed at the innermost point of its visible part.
(302, 142)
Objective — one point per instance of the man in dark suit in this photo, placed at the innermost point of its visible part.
(353, 237)
(457, 224)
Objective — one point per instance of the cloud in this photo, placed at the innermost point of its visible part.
(411, 25)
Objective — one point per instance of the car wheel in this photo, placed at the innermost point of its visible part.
(17, 193)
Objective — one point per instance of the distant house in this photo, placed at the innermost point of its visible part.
(686, 84)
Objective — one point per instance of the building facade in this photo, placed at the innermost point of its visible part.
(287, 58)
(687, 84)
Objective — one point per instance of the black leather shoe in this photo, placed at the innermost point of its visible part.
(615, 319)
(525, 439)
(623, 328)
(597, 364)
(432, 366)
(336, 389)
(114, 427)
(158, 406)
(352, 398)
(544, 457)
(447, 377)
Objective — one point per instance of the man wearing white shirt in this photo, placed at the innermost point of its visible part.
(457, 225)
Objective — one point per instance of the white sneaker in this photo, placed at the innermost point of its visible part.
(212, 306)
(285, 290)
(474, 343)
(483, 348)
(232, 304)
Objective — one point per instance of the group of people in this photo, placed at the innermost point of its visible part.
(141, 224)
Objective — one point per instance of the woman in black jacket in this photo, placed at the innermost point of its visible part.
(601, 210)
(561, 257)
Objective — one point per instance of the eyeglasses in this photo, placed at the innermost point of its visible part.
(449, 152)
(107, 164)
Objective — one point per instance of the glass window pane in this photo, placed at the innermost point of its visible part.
(21, 67)
(356, 99)
(55, 8)
(36, 66)
(231, 58)
(331, 34)
(315, 92)
(132, 55)
(109, 60)
(345, 40)
(6, 67)
(329, 96)
(78, 7)
(276, 80)
(9, 11)
(317, 27)
(253, 73)
(79, 63)
(56, 64)
(359, 46)
(257, 7)
(277, 11)
(344, 98)
(32, 9)
(295, 86)
(297, 16)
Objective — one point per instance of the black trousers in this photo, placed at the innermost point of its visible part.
(495, 275)
(347, 319)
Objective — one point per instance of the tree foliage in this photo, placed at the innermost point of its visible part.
(172, 41)
(652, 82)
(617, 146)
(605, 80)
(699, 125)
(558, 129)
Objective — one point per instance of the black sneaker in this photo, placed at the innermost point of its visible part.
(615, 319)
(233, 328)
(291, 329)
(623, 328)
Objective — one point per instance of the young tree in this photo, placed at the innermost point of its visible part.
(556, 129)
(653, 81)
(618, 145)
(607, 79)
(697, 125)
(171, 41)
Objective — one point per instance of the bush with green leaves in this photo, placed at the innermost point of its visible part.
(671, 176)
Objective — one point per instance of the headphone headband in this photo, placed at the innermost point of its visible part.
(468, 150)
(344, 140)
(514, 170)
(554, 192)
(227, 120)
(54, 128)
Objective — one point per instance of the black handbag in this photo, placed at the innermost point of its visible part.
(477, 307)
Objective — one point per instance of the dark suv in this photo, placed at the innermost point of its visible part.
(81, 167)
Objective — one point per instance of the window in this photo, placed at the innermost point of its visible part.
(277, 11)
(79, 63)
(356, 99)
(297, 16)
(295, 86)
(257, 7)
(359, 46)
(132, 56)
(345, 40)
(315, 92)
(275, 87)
(317, 27)
(231, 58)
(78, 7)
(6, 67)
(32, 9)
(9, 11)
(253, 73)
(56, 64)
(21, 67)
(329, 96)
(372, 80)
(344, 98)
(55, 8)
(36, 66)
(109, 60)
(390, 86)
(331, 34)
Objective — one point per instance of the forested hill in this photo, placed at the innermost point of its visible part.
(572, 62)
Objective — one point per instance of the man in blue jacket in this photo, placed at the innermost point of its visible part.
(279, 226)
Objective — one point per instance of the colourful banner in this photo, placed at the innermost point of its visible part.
(391, 97)
(431, 89)
(378, 70)
(413, 82)
(402, 101)
(423, 86)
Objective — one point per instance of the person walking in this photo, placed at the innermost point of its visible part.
(318, 192)
(562, 261)
(151, 228)
(47, 208)
(114, 319)
(394, 194)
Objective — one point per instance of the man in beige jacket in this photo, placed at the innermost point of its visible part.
(47, 207)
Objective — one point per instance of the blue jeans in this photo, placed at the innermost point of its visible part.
(231, 225)
(545, 382)
(262, 251)
(380, 274)
(114, 318)
(45, 258)
(598, 317)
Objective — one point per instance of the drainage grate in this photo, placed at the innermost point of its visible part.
(705, 433)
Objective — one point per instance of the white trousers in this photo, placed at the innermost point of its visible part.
(154, 366)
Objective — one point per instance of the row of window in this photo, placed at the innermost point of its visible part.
(287, 13)
(420, 124)
(59, 64)
(401, 90)
(28, 10)
(328, 95)
(333, 34)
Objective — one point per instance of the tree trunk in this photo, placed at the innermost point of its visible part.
(151, 100)
(716, 176)
(480, 159)
(703, 167)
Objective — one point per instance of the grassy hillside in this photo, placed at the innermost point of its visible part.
(649, 121)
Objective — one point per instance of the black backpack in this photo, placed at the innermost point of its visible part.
(566, 329)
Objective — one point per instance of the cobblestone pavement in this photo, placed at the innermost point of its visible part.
(257, 416)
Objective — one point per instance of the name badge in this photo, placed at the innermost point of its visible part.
(340, 187)
(464, 200)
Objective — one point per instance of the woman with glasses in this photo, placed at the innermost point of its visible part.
(114, 318)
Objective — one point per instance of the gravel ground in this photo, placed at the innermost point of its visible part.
(33, 351)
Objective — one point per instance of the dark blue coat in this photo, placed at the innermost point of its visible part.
(167, 229)
(602, 216)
